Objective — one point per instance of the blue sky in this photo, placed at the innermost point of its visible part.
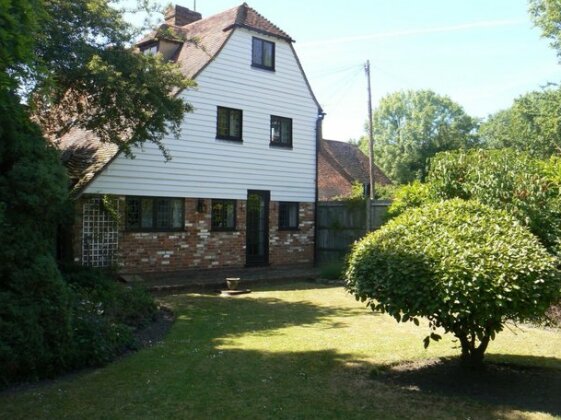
(481, 53)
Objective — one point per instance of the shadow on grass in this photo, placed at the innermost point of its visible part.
(520, 382)
(206, 367)
(216, 317)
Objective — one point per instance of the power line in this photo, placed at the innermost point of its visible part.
(343, 86)
(335, 71)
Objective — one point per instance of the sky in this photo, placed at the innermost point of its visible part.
(481, 53)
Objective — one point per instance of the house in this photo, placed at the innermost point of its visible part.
(240, 189)
(340, 165)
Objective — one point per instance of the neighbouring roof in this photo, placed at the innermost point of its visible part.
(86, 156)
(349, 160)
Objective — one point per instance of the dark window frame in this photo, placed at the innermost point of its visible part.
(154, 228)
(145, 48)
(281, 120)
(260, 64)
(215, 228)
(284, 223)
(219, 136)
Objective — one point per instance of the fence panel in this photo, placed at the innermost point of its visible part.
(339, 224)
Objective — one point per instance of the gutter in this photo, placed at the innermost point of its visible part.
(319, 135)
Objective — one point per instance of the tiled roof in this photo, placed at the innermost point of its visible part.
(250, 19)
(206, 37)
(84, 155)
(351, 162)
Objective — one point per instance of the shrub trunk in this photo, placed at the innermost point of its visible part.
(473, 354)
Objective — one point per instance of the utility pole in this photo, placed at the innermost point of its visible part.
(370, 151)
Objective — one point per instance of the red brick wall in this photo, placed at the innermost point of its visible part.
(292, 247)
(197, 247)
(330, 181)
(194, 247)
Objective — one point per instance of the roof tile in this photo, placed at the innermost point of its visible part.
(353, 164)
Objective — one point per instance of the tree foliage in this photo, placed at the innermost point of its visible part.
(504, 179)
(464, 266)
(18, 23)
(71, 63)
(34, 300)
(85, 74)
(408, 196)
(546, 14)
(531, 124)
(412, 126)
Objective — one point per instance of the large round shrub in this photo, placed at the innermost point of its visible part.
(462, 265)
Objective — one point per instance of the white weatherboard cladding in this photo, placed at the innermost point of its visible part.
(203, 167)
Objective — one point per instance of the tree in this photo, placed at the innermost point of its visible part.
(410, 127)
(546, 15)
(85, 74)
(532, 124)
(70, 62)
(526, 187)
(465, 267)
(34, 301)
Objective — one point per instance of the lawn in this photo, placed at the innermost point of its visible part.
(296, 351)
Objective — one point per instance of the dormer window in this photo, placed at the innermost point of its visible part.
(151, 49)
(263, 54)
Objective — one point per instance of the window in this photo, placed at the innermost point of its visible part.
(229, 124)
(223, 215)
(281, 131)
(263, 54)
(288, 216)
(150, 49)
(154, 214)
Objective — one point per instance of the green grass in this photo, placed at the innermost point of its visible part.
(296, 351)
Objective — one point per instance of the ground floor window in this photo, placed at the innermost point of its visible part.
(288, 215)
(223, 214)
(154, 214)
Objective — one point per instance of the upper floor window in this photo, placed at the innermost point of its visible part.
(223, 214)
(150, 49)
(229, 124)
(154, 214)
(263, 54)
(281, 131)
(288, 215)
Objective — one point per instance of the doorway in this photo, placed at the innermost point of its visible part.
(257, 228)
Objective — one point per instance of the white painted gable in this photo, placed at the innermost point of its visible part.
(204, 167)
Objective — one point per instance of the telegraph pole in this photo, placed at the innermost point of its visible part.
(370, 151)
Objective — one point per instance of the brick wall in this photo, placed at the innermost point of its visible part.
(194, 247)
(198, 247)
(291, 247)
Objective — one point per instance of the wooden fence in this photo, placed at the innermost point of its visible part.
(341, 223)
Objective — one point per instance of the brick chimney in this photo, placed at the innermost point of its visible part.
(181, 16)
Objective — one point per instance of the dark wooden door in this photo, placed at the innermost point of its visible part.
(257, 228)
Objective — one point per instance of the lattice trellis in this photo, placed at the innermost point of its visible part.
(100, 234)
